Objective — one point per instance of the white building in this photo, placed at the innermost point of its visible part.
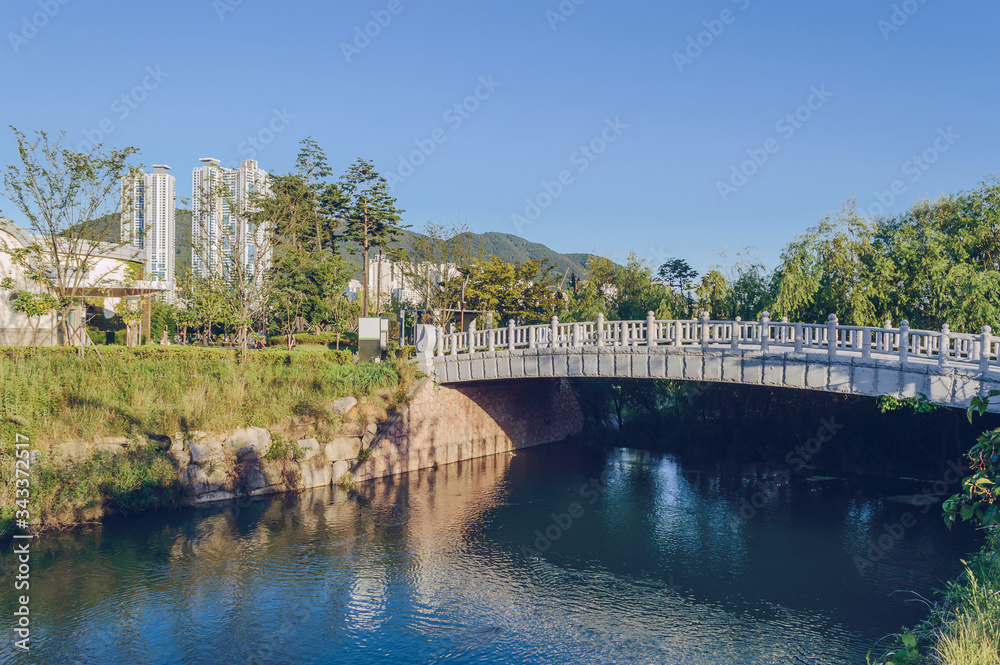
(106, 277)
(397, 281)
(221, 233)
(148, 221)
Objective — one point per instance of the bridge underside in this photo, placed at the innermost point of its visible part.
(945, 385)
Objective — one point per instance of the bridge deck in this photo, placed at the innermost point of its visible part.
(949, 368)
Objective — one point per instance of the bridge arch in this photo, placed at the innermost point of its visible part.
(948, 368)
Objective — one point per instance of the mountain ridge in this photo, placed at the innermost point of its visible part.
(506, 246)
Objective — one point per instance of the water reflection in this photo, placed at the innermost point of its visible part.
(560, 555)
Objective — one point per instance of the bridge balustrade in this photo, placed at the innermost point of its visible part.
(886, 342)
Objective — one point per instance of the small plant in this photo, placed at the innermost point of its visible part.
(906, 654)
(346, 481)
(978, 499)
(282, 448)
(364, 454)
(918, 404)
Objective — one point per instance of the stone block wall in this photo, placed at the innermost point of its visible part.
(446, 424)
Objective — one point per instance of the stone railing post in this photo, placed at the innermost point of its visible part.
(784, 331)
(555, 332)
(904, 341)
(866, 344)
(704, 331)
(600, 330)
(800, 333)
(737, 333)
(426, 343)
(944, 341)
(510, 335)
(765, 331)
(472, 336)
(886, 325)
(453, 339)
(491, 339)
(439, 342)
(831, 335)
(678, 334)
(650, 329)
(531, 337)
(985, 349)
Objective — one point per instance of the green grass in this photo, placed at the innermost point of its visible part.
(59, 397)
(970, 628)
(964, 625)
(53, 396)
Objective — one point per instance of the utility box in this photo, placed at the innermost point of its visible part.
(373, 339)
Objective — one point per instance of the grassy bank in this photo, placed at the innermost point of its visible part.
(52, 396)
(964, 624)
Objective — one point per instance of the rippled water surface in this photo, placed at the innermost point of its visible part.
(560, 554)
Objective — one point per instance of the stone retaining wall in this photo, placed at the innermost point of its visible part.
(437, 425)
(446, 424)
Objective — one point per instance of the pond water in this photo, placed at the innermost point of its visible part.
(559, 554)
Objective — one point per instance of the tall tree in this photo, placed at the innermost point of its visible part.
(321, 219)
(636, 294)
(678, 274)
(827, 271)
(372, 218)
(66, 197)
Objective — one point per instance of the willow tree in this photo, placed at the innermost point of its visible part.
(939, 261)
(828, 270)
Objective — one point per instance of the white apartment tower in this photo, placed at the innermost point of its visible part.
(148, 220)
(221, 234)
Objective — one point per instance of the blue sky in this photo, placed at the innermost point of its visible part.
(598, 127)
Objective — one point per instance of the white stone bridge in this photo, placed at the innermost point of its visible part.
(948, 368)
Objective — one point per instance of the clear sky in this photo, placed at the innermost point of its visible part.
(666, 97)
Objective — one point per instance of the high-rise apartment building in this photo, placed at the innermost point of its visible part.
(148, 220)
(221, 232)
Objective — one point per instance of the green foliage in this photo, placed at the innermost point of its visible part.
(369, 209)
(328, 339)
(283, 449)
(64, 195)
(906, 653)
(936, 263)
(162, 390)
(430, 258)
(363, 379)
(918, 404)
(978, 499)
(67, 490)
(678, 274)
(521, 291)
(506, 246)
(627, 293)
(964, 625)
(744, 289)
(54, 396)
(310, 286)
